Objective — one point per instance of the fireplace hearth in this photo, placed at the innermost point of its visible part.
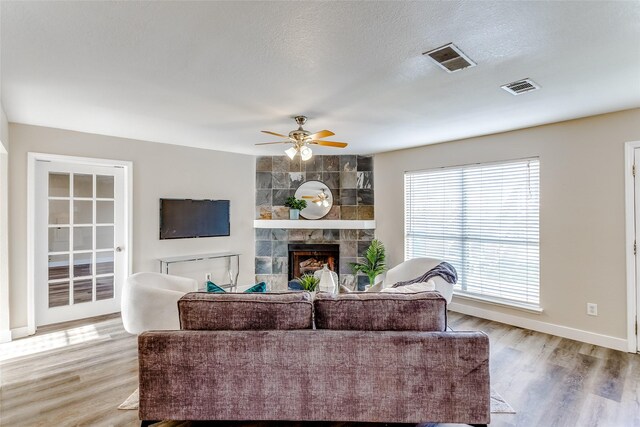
(307, 258)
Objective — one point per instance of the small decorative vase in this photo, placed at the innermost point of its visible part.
(327, 283)
(294, 213)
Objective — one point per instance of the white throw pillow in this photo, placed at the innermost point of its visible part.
(375, 288)
(429, 285)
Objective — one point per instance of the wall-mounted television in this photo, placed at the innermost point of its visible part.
(185, 218)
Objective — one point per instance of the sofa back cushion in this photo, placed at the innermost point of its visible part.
(202, 311)
(424, 311)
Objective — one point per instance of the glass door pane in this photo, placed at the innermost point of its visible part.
(82, 238)
(82, 185)
(59, 239)
(104, 287)
(59, 185)
(59, 211)
(58, 267)
(104, 237)
(104, 262)
(58, 294)
(82, 264)
(82, 211)
(105, 186)
(105, 212)
(82, 291)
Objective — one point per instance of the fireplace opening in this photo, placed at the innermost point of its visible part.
(307, 258)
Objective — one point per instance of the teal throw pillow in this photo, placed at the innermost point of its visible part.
(212, 287)
(259, 287)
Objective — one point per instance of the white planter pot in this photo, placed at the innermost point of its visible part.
(328, 282)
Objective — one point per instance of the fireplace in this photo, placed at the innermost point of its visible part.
(307, 258)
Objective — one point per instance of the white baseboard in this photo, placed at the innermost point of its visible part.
(547, 328)
(20, 332)
(5, 336)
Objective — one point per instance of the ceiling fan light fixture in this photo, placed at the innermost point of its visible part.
(291, 152)
(306, 153)
(301, 138)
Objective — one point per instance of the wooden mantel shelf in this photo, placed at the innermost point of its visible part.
(340, 224)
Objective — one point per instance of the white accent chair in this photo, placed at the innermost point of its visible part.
(150, 301)
(416, 267)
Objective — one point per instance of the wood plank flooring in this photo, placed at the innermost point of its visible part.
(76, 374)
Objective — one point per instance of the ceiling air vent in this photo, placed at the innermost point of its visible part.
(521, 86)
(450, 58)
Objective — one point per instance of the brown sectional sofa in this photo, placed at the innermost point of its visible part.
(372, 358)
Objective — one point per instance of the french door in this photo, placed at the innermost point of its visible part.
(79, 247)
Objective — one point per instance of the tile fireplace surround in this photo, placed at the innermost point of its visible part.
(350, 179)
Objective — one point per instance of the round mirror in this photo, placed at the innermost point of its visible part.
(319, 199)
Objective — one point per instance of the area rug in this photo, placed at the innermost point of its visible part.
(132, 401)
(498, 404)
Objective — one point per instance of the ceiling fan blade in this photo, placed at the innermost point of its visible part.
(329, 143)
(321, 134)
(308, 197)
(277, 142)
(276, 134)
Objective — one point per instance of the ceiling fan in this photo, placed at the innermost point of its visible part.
(301, 139)
(321, 199)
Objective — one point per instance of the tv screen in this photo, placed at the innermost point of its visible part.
(184, 218)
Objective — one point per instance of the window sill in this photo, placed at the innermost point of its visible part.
(499, 302)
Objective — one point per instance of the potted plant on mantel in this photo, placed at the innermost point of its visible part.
(374, 262)
(295, 206)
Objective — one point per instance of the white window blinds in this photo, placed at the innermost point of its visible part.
(484, 220)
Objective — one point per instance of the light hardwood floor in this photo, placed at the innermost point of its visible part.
(76, 374)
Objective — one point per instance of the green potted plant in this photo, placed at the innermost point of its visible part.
(309, 282)
(295, 206)
(374, 261)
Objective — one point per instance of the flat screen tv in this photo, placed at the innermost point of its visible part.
(185, 218)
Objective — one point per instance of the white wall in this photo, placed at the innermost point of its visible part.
(5, 334)
(582, 234)
(4, 130)
(159, 170)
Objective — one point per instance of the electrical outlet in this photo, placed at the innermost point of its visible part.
(208, 277)
(592, 309)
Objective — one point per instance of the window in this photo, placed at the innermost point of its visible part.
(484, 220)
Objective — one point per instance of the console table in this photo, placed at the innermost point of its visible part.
(232, 272)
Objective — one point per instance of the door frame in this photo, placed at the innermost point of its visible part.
(633, 293)
(32, 158)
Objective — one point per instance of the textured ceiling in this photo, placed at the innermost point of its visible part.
(213, 74)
